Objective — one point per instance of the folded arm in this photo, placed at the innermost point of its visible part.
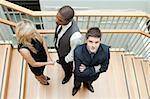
(81, 70)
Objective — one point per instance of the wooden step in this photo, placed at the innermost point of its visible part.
(107, 86)
(15, 78)
(5, 58)
(2, 62)
(141, 81)
(131, 79)
(126, 78)
(146, 71)
(54, 72)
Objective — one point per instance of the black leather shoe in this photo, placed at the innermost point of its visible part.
(65, 80)
(90, 88)
(74, 91)
(58, 61)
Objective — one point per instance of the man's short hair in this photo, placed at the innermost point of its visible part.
(94, 32)
(66, 12)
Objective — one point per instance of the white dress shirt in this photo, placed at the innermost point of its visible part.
(74, 41)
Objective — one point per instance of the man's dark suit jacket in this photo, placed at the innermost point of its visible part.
(82, 56)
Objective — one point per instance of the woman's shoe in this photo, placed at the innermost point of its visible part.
(47, 78)
(41, 80)
(47, 83)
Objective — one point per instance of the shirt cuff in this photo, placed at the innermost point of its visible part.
(97, 68)
(68, 59)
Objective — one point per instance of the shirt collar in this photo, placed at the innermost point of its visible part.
(67, 26)
(91, 52)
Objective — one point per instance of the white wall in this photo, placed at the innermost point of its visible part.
(143, 5)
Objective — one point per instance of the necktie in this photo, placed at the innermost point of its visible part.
(92, 55)
(57, 32)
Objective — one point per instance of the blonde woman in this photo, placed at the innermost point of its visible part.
(34, 50)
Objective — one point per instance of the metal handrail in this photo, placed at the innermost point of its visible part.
(131, 26)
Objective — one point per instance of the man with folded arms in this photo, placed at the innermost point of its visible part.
(91, 59)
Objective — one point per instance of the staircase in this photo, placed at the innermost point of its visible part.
(123, 31)
(127, 78)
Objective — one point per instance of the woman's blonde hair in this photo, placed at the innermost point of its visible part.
(25, 32)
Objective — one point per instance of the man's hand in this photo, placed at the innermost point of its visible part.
(50, 61)
(82, 68)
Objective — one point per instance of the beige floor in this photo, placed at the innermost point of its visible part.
(126, 78)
